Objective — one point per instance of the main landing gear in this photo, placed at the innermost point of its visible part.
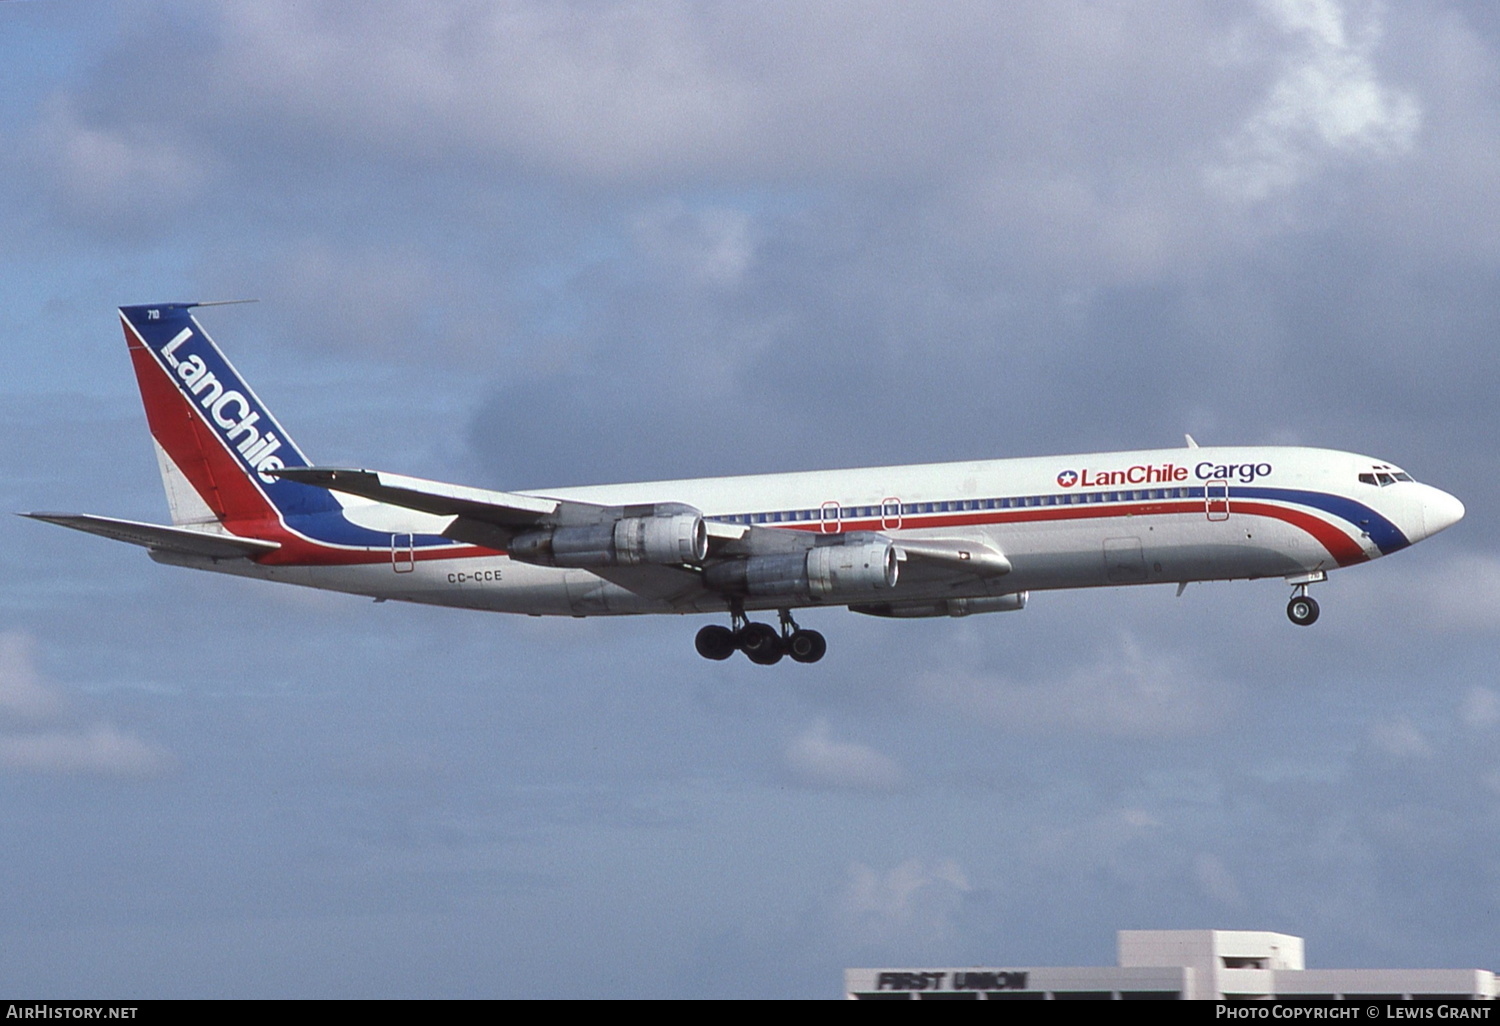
(761, 642)
(1302, 610)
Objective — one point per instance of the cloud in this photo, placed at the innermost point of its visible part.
(1459, 594)
(22, 694)
(816, 760)
(42, 737)
(912, 904)
(711, 246)
(1480, 708)
(584, 89)
(1216, 880)
(1401, 738)
(99, 749)
(1128, 691)
(636, 93)
(1327, 103)
(370, 297)
(119, 174)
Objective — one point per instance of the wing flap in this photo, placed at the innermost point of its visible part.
(181, 540)
(965, 555)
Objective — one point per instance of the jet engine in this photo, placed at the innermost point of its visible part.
(663, 539)
(820, 572)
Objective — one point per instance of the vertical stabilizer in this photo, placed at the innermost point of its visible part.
(216, 442)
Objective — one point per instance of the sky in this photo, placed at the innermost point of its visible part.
(527, 244)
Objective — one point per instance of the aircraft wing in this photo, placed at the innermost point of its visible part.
(494, 518)
(182, 540)
(491, 518)
(481, 516)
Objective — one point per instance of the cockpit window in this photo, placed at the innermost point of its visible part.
(1383, 477)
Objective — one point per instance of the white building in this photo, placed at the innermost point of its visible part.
(1163, 964)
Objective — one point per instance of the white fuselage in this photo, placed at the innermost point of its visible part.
(1158, 516)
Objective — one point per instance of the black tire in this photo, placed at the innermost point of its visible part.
(761, 643)
(715, 642)
(1302, 610)
(806, 646)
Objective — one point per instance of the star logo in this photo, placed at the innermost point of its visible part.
(1068, 478)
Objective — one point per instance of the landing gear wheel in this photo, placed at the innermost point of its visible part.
(806, 646)
(1302, 610)
(761, 643)
(715, 642)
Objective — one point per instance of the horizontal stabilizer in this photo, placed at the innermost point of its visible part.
(182, 540)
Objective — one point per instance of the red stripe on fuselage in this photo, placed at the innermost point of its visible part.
(1340, 546)
(297, 550)
(1344, 549)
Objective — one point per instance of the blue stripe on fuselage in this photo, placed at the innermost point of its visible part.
(334, 529)
(1387, 536)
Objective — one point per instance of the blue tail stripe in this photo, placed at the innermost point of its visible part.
(226, 404)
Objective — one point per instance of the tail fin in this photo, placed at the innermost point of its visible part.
(215, 440)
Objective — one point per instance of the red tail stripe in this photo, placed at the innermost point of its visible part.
(198, 453)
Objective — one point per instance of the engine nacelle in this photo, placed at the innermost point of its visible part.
(944, 607)
(822, 572)
(680, 538)
(670, 540)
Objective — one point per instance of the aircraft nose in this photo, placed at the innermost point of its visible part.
(1440, 510)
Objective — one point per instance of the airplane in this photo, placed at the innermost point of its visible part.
(947, 539)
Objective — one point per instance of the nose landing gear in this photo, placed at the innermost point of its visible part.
(760, 642)
(1302, 610)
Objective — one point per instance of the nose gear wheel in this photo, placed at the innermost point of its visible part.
(1302, 610)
